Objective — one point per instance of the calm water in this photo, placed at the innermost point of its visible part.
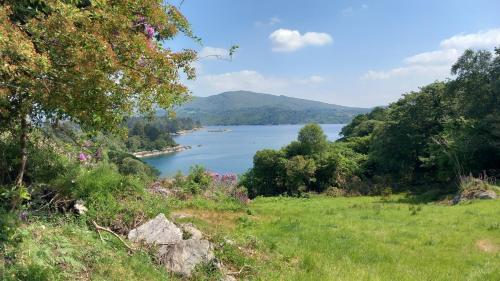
(230, 152)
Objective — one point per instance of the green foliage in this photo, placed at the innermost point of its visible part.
(309, 164)
(46, 159)
(424, 141)
(155, 134)
(299, 174)
(198, 175)
(430, 138)
(48, 75)
(195, 182)
(64, 250)
(312, 139)
(131, 165)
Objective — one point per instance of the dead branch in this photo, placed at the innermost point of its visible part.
(98, 228)
(238, 272)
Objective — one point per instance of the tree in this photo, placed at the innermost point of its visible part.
(299, 174)
(268, 173)
(312, 139)
(91, 62)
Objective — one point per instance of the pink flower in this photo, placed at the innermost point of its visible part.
(82, 157)
(150, 31)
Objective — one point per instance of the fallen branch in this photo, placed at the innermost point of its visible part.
(238, 272)
(99, 228)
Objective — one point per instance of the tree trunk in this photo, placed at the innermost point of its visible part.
(24, 150)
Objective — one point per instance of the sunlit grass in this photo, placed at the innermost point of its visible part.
(367, 238)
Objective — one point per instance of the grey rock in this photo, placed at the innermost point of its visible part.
(192, 230)
(184, 256)
(80, 207)
(159, 231)
(486, 194)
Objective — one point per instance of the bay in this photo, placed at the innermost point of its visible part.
(230, 149)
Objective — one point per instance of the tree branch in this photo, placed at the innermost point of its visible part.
(98, 228)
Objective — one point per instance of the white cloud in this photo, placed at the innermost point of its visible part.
(483, 39)
(272, 21)
(252, 80)
(286, 40)
(213, 53)
(437, 63)
(432, 72)
(438, 57)
(241, 80)
(313, 79)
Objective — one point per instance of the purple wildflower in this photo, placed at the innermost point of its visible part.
(82, 157)
(150, 31)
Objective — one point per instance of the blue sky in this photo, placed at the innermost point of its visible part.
(358, 53)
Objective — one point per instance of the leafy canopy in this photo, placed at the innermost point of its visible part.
(92, 62)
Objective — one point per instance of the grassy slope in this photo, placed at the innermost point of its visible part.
(70, 251)
(321, 238)
(366, 239)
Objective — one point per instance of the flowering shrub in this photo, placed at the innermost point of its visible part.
(209, 185)
(228, 179)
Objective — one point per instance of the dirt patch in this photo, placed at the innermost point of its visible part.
(488, 246)
(215, 218)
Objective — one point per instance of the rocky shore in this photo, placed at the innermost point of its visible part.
(185, 132)
(151, 153)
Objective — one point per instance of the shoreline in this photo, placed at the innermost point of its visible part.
(168, 150)
(185, 132)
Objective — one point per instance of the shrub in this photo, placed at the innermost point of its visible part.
(200, 176)
(470, 183)
(335, 192)
(108, 195)
(128, 164)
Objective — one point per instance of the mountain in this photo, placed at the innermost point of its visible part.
(249, 108)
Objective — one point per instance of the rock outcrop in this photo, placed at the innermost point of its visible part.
(192, 231)
(158, 231)
(474, 194)
(185, 255)
(178, 255)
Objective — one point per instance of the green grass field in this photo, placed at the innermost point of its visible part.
(367, 238)
(280, 238)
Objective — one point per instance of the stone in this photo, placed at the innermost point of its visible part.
(192, 231)
(486, 194)
(159, 231)
(80, 207)
(184, 256)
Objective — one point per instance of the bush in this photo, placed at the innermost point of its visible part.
(335, 192)
(45, 162)
(200, 176)
(109, 195)
(195, 182)
(128, 164)
(131, 166)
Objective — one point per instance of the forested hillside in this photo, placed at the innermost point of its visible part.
(155, 134)
(249, 108)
